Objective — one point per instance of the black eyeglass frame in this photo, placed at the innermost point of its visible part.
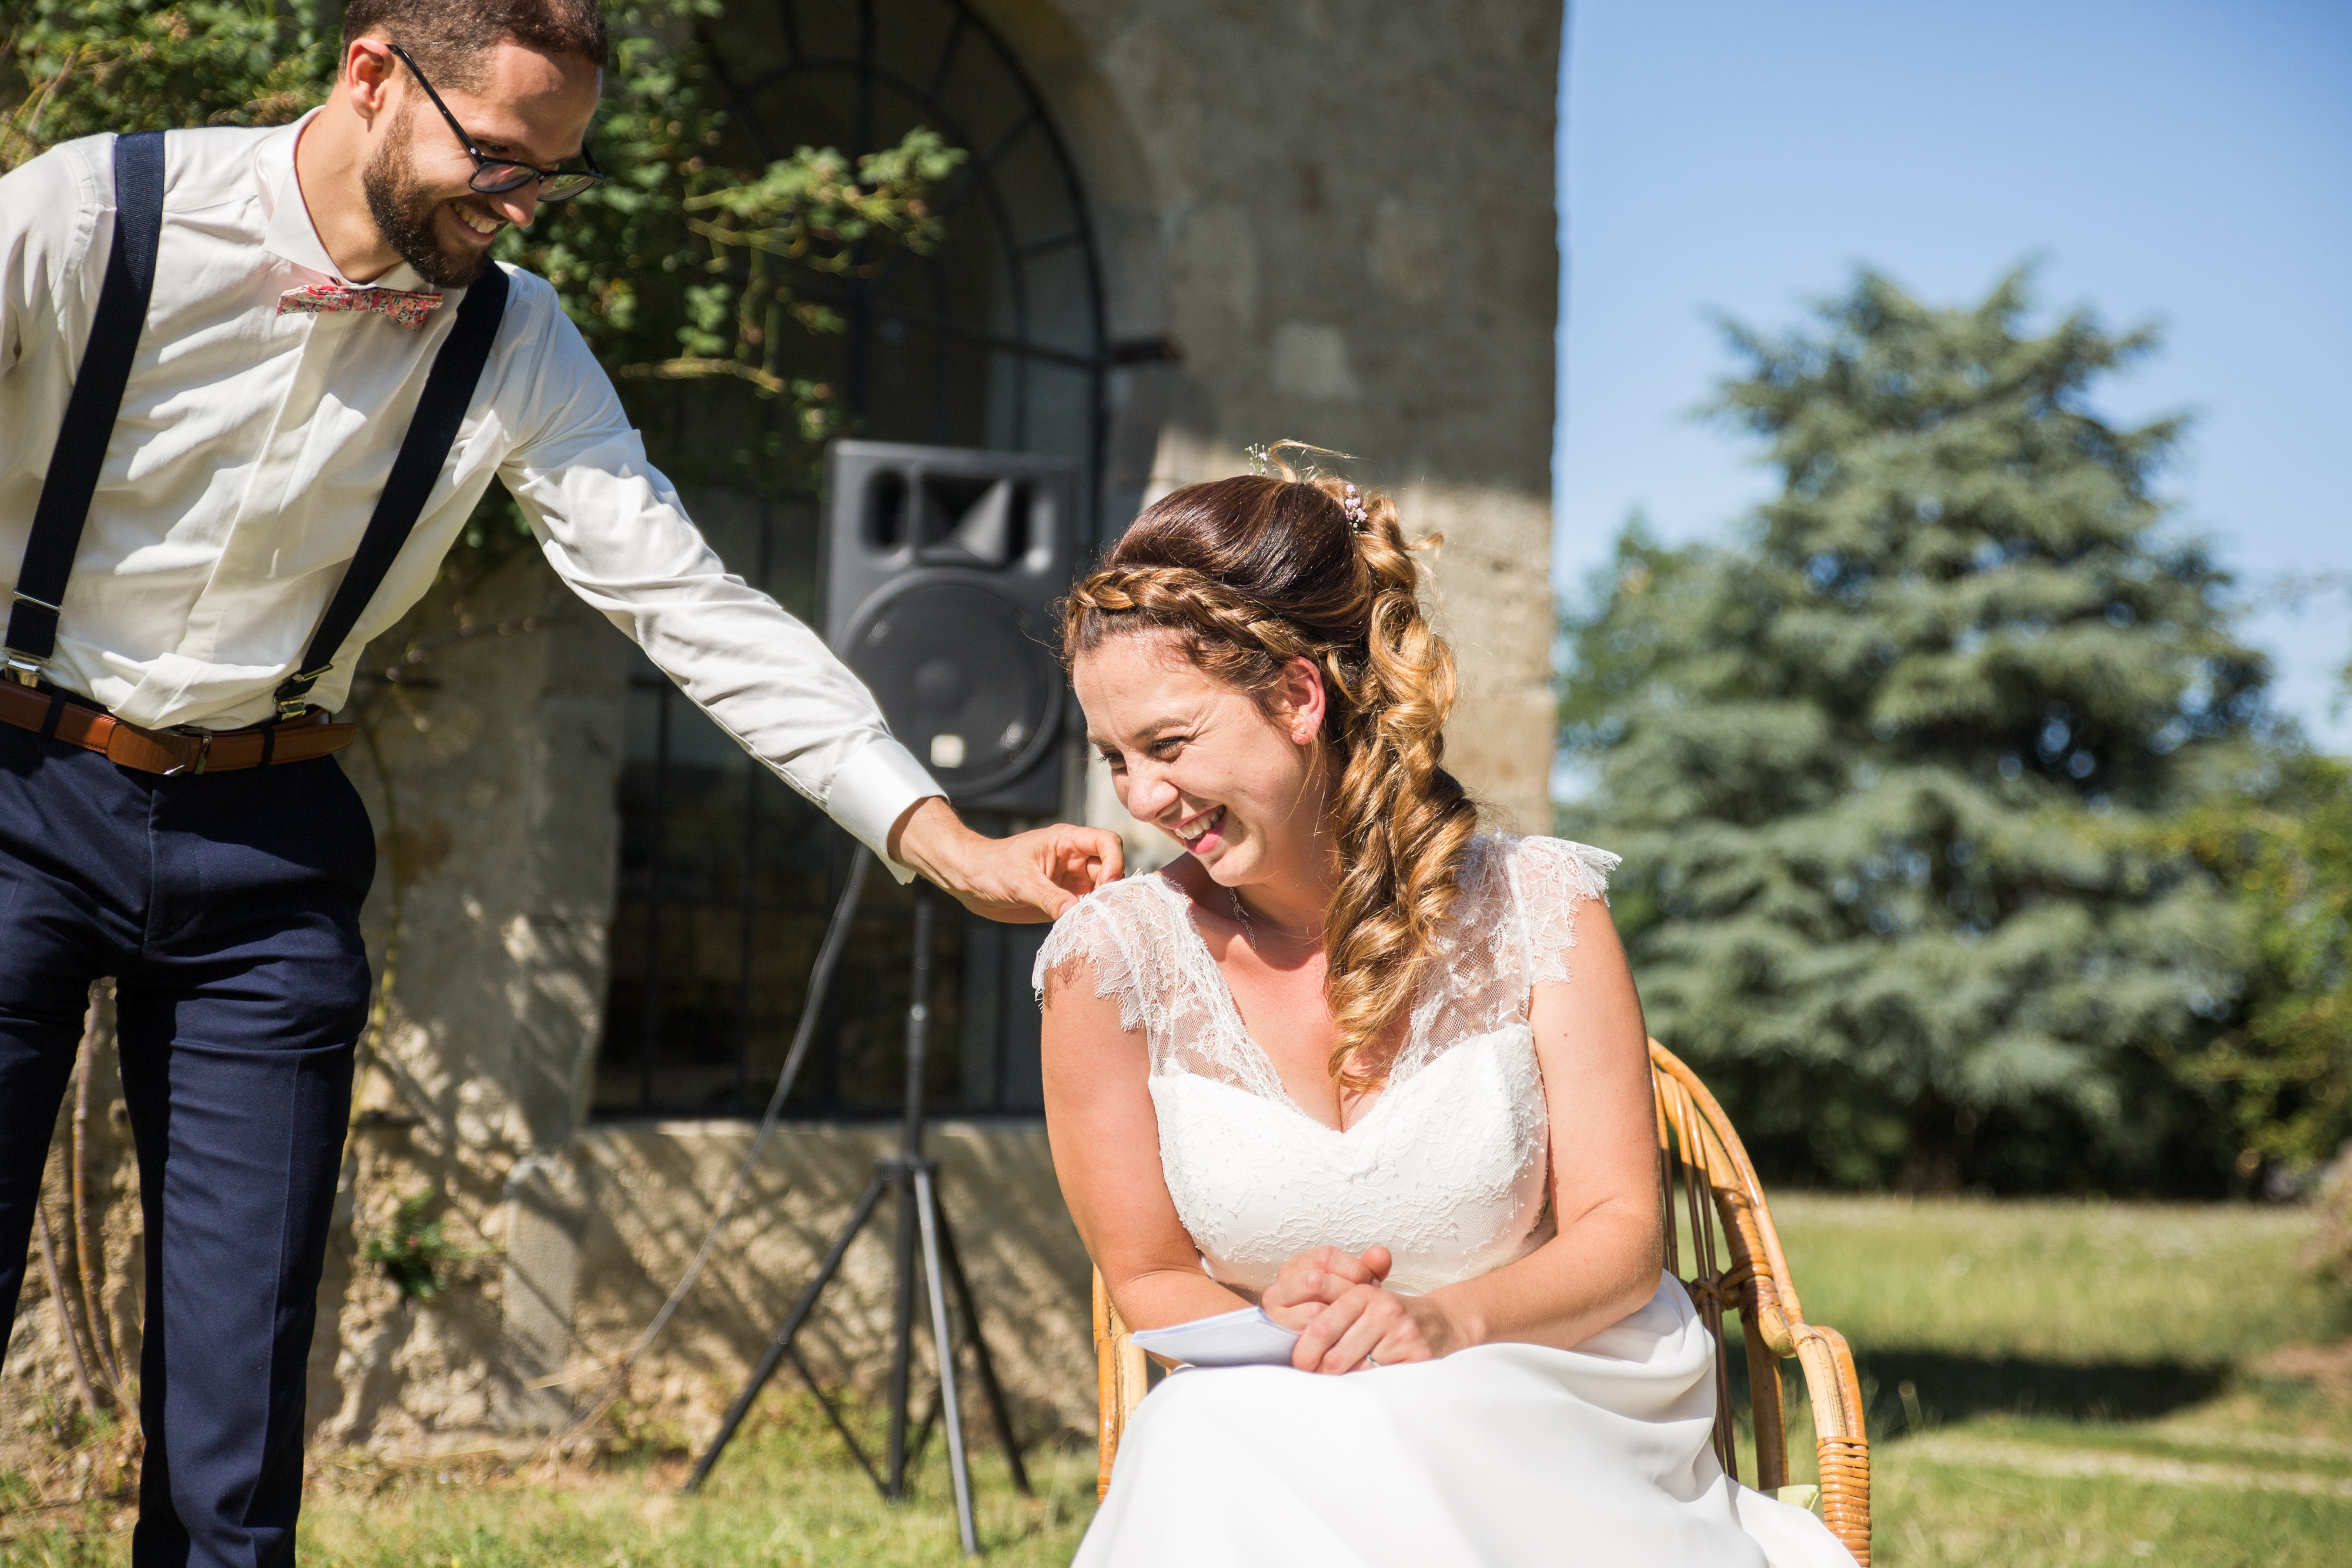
(483, 162)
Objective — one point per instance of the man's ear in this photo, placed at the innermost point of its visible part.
(367, 77)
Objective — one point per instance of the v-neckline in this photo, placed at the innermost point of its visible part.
(1232, 1015)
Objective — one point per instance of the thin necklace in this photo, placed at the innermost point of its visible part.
(1249, 926)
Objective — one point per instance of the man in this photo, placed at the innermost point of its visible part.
(169, 813)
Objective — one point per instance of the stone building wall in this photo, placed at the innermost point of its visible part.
(1333, 221)
(1339, 214)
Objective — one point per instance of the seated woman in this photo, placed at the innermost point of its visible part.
(1333, 1061)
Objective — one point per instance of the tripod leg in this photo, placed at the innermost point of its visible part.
(791, 1326)
(833, 1414)
(921, 1442)
(902, 1335)
(997, 1409)
(927, 1204)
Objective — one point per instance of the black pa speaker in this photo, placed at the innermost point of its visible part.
(940, 566)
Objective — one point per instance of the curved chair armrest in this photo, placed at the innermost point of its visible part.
(1697, 1138)
(1840, 1447)
(1120, 1379)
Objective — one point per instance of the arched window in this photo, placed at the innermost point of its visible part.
(995, 339)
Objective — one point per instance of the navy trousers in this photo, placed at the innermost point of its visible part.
(227, 907)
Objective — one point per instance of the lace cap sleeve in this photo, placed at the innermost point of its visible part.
(1549, 879)
(1109, 931)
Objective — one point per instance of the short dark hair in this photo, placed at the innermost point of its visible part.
(447, 38)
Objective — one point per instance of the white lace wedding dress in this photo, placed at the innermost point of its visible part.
(1498, 1455)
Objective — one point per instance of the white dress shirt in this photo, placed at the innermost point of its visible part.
(251, 447)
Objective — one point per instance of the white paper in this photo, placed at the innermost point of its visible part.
(1245, 1338)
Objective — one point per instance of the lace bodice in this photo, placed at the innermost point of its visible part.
(1446, 1169)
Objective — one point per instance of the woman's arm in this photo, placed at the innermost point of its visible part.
(1605, 1262)
(1106, 1140)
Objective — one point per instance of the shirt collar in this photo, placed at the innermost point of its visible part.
(290, 235)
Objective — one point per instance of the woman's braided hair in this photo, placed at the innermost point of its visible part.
(1252, 572)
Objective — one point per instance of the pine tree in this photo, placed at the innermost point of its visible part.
(1891, 772)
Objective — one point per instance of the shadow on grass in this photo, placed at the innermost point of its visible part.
(1911, 1390)
(1949, 1388)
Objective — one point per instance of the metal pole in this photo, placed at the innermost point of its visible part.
(987, 1368)
(935, 1278)
(919, 1027)
(902, 1346)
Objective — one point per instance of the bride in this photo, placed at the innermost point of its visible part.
(1333, 1061)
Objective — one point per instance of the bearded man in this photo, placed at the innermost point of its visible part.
(252, 382)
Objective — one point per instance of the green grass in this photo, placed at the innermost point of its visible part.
(2048, 1383)
(1945, 1516)
(785, 1494)
(2053, 1383)
(781, 1501)
(2058, 1281)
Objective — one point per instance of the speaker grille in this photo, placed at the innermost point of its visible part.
(964, 679)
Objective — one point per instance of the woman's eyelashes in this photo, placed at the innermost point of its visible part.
(1165, 748)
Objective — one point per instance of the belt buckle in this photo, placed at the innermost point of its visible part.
(203, 757)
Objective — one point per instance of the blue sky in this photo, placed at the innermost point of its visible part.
(2188, 164)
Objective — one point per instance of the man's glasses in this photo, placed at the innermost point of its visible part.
(494, 176)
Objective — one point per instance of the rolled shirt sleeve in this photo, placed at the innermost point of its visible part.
(614, 528)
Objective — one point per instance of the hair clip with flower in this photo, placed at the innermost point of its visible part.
(1353, 505)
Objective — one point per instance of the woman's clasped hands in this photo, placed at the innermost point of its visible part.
(1347, 1317)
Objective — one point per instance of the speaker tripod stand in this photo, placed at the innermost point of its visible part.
(914, 1176)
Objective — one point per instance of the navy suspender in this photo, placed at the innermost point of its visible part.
(57, 516)
(96, 397)
(449, 388)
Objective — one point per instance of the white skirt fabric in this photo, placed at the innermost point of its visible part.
(1503, 1456)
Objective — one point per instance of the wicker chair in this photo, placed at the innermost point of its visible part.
(1737, 1266)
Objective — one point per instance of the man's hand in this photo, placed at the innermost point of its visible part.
(1030, 877)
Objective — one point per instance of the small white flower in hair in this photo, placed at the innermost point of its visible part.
(1353, 505)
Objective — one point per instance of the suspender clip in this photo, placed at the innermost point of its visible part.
(21, 667)
(294, 693)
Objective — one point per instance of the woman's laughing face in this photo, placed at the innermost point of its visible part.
(1237, 779)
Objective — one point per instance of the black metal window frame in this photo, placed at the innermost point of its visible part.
(869, 311)
(862, 297)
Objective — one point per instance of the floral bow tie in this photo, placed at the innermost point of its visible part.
(409, 309)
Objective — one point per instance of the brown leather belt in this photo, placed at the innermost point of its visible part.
(60, 717)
